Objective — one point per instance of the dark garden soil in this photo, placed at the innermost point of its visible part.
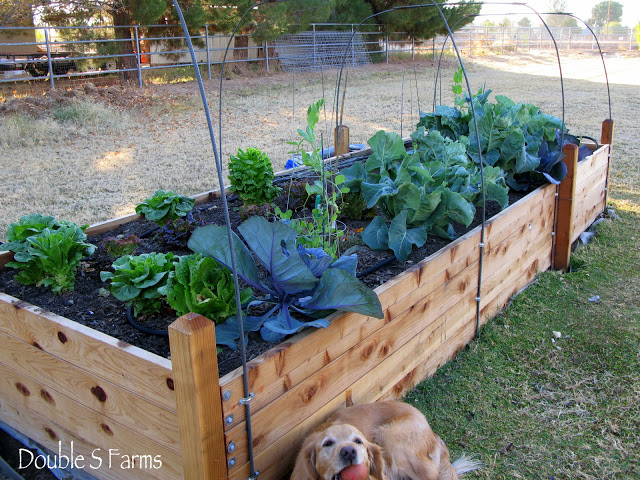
(91, 305)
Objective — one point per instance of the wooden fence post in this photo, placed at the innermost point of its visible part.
(564, 216)
(606, 137)
(195, 366)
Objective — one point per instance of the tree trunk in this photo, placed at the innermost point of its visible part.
(126, 48)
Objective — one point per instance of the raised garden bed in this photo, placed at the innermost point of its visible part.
(64, 384)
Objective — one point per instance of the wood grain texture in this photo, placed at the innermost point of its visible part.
(195, 364)
(110, 401)
(99, 462)
(97, 430)
(125, 365)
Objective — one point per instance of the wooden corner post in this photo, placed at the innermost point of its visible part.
(564, 215)
(195, 367)
(606, 138)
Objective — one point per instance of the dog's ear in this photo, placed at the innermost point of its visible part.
(376, 460)
(305, 466)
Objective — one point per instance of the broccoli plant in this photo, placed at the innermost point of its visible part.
(308, 282)
(515, 137)
(426, 191)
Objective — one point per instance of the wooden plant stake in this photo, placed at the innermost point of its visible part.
(195, 367)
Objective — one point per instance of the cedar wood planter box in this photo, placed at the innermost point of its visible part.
(63, 384)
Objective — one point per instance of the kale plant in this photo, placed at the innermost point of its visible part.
(201, 285)
(306, 281)
(251, 176)
(49, 257)
(136, 280)
(164, 206)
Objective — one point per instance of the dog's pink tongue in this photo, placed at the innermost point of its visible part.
(354, 472)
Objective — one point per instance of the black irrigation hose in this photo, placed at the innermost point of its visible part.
(142, 328)
(597, 144)
(149, 232)
(369, 270)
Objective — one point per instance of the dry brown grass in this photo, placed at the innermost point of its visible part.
(98, 174)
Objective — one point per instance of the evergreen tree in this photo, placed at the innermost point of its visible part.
(122, 14)
(424, 22)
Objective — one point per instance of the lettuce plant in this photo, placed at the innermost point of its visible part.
(137, 280)
(201, 285)
(296, 279)
(30, 225)
(164, 206)
(251, 177)
(120, 245)
(50, 257)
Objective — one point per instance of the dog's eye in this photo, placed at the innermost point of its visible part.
(358, 441)
(327, 443)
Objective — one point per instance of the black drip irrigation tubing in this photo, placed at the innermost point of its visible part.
(142, 328)
(369, 270)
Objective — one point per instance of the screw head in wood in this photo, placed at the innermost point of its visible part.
(226, 395)
(228, 419)
(231, 447)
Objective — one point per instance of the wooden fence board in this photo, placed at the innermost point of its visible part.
(97, 394)
(123, 364)
(97, 430)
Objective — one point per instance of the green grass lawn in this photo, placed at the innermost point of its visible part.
(534, 406)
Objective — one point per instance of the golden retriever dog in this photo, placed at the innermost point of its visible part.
(377, 441)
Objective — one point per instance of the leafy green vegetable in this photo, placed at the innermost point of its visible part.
(164, 206)
(511, 136)
(425, 191)
(137, 280)
(120, 245)
(201, 285)
(50, 257)
(308, 281)
(251, 176)
(29, 225)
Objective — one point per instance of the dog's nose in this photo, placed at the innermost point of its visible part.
(348, 453)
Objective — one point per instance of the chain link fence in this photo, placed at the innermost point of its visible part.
(53, 54)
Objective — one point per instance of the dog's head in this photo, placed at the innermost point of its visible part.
(337, 451)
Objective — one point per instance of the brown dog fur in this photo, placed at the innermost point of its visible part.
(408, 447)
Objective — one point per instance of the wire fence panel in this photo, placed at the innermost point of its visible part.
(54, 53)
(313, 50)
